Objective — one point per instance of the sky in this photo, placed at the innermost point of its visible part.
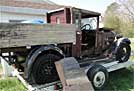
(93, 5)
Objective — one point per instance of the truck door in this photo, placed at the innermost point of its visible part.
(99, 39)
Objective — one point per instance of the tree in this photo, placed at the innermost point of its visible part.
(111, 19)
(120, 16)
(127, 8)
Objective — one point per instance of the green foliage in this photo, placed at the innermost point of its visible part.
(114, 18)
(132, 43)
(113, 22)
(1, 70)
(0, 66)
(112, 8)
(11, 84)
(111, 19)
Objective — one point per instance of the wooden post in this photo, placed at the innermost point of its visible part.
(61, 73)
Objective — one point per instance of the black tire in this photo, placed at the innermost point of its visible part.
(43, 70)
(123, 52)
(98, 76)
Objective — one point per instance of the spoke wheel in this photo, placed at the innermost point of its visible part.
(44, 70)
(123, 52)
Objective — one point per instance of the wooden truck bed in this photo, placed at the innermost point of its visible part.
(18, 35)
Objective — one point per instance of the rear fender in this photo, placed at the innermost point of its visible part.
(30, 60)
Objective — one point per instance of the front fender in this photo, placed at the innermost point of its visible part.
(123, 40)
(119, 42)
(30, 60)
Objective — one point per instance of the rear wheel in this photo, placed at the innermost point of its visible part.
(44, 70)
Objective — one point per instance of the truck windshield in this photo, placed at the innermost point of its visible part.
(91, 21)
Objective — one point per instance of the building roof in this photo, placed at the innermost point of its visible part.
(23, 10)
(85, 13)
(28, 4)
(39, 1)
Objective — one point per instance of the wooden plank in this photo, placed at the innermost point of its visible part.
(21, 26)
(61, 73)
(16, 35)
(72, 76)
(82, 87)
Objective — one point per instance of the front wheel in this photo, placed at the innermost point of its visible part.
(123, 52)
(44, 70)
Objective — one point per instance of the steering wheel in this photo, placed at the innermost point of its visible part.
(86, 27)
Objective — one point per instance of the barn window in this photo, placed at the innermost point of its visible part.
(58, 20)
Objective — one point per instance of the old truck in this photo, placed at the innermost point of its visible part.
(69, 32)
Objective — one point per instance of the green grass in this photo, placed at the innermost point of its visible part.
(10, 84)
(132, 44)
(0, 66)
(132, 48)
(121, 80)
(131, 58)
(1, 71)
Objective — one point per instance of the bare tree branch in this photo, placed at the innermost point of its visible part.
(127, 7)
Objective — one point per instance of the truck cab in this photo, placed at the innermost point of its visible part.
(90, 40)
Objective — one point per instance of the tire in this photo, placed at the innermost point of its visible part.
(123, 52)
(98, 76)
(43, 70)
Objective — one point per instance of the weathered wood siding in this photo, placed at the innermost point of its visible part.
(16, 35)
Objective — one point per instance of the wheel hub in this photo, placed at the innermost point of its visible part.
(123, 53)
(99, 79)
